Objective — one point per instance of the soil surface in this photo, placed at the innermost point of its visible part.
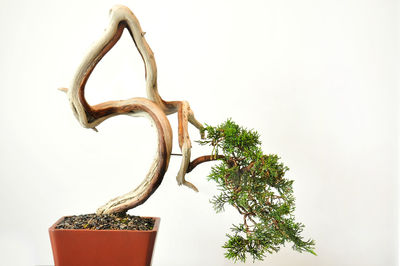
(119, 221)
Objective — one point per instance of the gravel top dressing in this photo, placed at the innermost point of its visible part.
(119, 221)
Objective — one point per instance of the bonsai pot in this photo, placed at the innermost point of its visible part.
(75, 247)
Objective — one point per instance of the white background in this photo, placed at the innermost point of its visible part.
(317, 79)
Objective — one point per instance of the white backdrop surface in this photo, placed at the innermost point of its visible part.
(317, 79)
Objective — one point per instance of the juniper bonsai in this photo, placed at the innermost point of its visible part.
(249, 180)
(254, 184)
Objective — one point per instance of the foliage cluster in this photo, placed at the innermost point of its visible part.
(255, 185)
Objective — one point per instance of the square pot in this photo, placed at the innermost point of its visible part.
(75, 247)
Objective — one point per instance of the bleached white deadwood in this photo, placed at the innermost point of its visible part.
(155, 108)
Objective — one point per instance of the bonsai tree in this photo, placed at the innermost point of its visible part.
(249, 180)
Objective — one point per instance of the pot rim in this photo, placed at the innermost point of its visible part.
(155, 227)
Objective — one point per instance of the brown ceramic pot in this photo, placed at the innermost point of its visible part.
(102, 247)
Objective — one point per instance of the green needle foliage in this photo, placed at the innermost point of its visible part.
(254, 184)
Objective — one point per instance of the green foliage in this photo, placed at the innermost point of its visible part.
(254, 184)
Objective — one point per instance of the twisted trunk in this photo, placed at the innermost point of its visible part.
(155, 108)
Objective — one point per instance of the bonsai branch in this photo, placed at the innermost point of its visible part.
(254, 184)
(202, 159)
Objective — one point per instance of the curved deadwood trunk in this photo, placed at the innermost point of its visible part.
(91, 116)
(154, 108)
(141, 106)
